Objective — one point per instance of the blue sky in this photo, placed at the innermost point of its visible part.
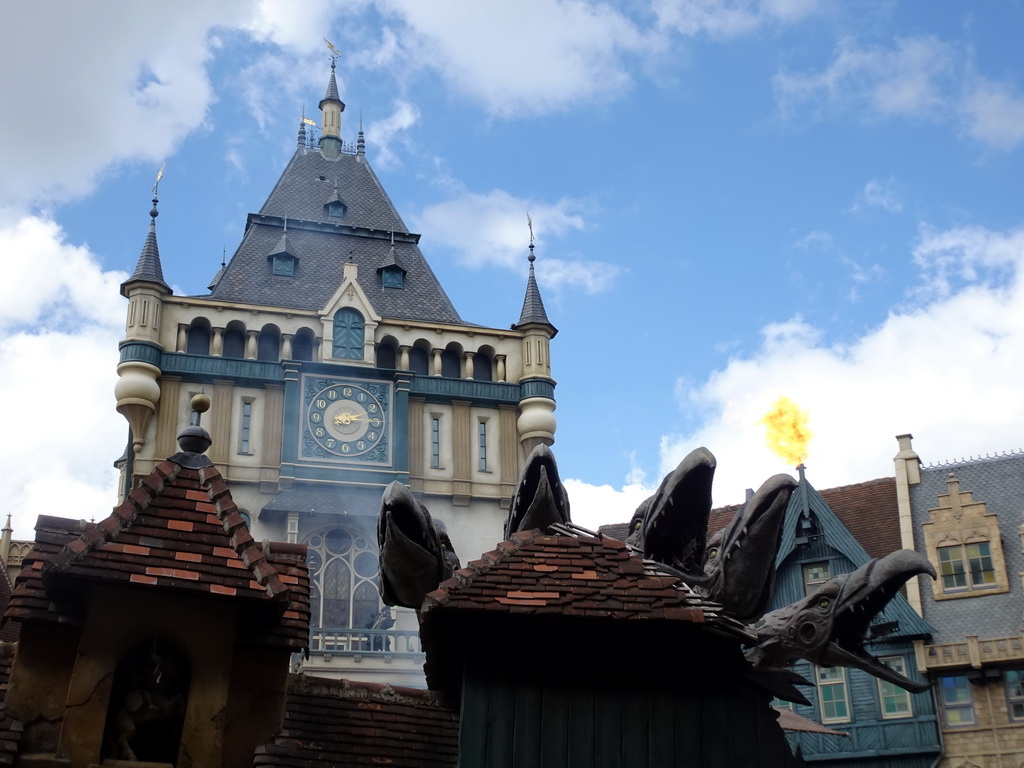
(734, 200)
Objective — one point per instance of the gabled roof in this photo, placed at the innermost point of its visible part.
(179, 531)
(868, 510)
(340, 723)
(363, 236)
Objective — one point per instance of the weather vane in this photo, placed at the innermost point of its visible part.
(335, 53)
(529, 223)
(159, 175)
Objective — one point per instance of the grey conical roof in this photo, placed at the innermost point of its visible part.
(216, 278)
(332, 91)
(533, 304)
(148, 267)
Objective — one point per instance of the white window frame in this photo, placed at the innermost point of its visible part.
(833, 679)
(893, 692)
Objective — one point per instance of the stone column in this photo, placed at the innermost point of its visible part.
(251, 344)
(217, 343)
(403, 357)
(286, 345)
(182, 337)
(467, 365)
(437, 361)
(499, 364)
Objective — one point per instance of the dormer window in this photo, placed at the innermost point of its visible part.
(392, 277)
(283, 264)
(335, 209)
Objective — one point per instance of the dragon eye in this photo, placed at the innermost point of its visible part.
(824, 602)
(712, 553)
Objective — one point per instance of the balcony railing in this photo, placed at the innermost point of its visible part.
(364, 642)
(972, 652)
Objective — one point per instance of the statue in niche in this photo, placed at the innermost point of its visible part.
(147, 704)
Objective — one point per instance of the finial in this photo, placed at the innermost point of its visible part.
(153, 212)
(392, 238)
(223, 255)
(286, 225)
(529, 223)
(195, 439)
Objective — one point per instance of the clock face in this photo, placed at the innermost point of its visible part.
(346, 420)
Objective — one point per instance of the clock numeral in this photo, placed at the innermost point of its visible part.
(319, 432)
(346, 448)
(315, 417)
(375, 423)
(347, 391)
(371, 435)
(330, 442)
(361, 397)
(332, 394)
(372, 408)
(360, 445)
(321, 403)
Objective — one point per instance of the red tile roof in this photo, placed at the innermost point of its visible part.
(342, 723)
(179, 531)
(567, 576)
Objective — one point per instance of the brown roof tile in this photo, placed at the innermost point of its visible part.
(565, 576)
(181, 531)
(342, 723)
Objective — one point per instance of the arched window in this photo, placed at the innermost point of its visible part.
(269, 346)
(302, 346)
(482, 367)
(451, 367)
(198, 337)
(348, 335)
(418, 361)
(386, 356)
(234, 340)
(343, 572)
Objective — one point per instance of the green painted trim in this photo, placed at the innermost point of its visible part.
(538, 388)
(438, 389)
(140, 351)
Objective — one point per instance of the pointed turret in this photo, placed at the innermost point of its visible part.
(137, 390)
(148, 268)
(537, 410)
(533, 304)
(332, 106)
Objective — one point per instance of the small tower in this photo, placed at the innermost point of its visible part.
(332, 106)
(537, 408)
(137, 391)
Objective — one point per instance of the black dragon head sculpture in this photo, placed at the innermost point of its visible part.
(415, 552)
(830, 626)
(540, 499)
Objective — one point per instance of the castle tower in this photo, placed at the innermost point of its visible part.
(335, 363)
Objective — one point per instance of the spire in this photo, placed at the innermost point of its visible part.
(360, 142)
(332, 88)
(533, 305)
(302, 133)
(148, 268)
(331, 106)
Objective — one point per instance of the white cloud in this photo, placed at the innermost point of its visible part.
(592, 506)
(993, 113)
(491, 230)
(949, 371)
(879, 194)
(911, 79)
(730, 18)
(110, 82)
(393, 128)
(921, 78)
(522, 58)
(61, 317)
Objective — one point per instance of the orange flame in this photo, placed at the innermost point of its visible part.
(786, 431)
